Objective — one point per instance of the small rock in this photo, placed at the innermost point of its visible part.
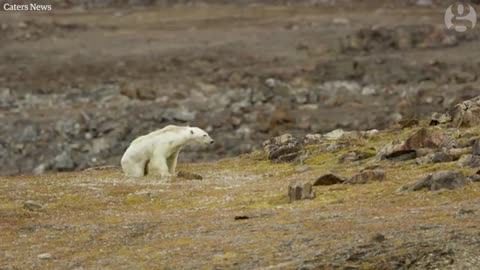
(367, 176)
(44, 256)
(464, 212)
(368, 91)
(378, 237)
(328, 179)
(189, 175)
(312, 139)
(436, 157)
(476, 147)
(180, 114)
(300, 191)
(471, 161)
(474, 177)
(441, 180)
(28, 134)
(303, 169)
(337, 146)
(339, 20)
(64, 162)
(40, 168)
(461, 76)
(355, 155)
(440, 118)
(334, 135)
(456, 153)
(424, 3)
(32, 205)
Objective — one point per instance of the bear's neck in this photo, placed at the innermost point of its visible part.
(180, 142)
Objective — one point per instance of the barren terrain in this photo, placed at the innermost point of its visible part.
(78, 84)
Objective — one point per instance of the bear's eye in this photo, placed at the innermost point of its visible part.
(191, 131)
(204, 135)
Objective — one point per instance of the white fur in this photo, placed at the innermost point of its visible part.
(157, 152)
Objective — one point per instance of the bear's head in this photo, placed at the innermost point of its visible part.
(199, 136)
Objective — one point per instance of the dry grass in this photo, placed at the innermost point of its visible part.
(101, 219)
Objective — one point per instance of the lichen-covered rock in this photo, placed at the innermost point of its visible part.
(328, 179)
(368, 176)
(285, 148)
(312, 139)
(405, 150)
(334, 134)
(466, 114)
(299, 190)
(440, 118)
(440, 180)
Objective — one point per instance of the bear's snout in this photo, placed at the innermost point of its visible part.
(211, 141)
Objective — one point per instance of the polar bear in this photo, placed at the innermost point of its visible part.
(156, 153)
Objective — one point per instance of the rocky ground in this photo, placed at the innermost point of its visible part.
(402, 198)
(78, 84)
(358, 118)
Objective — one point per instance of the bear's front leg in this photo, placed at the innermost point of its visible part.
(172, 162)
(158, 166)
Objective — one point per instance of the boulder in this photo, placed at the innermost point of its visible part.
(424, 138)
(285, 148)
(299, 190)
(440, 180)
(367, 176)
(396, 151)
(466, 114)
(328, 179)
(405, 150)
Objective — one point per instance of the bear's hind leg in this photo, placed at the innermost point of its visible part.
(158, 166)
(133, 169)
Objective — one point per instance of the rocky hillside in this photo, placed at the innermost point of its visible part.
(402, 198)
(76, 86)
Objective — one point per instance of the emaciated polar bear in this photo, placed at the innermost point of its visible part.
(156, 153)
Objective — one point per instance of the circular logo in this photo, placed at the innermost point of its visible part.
(464, 13)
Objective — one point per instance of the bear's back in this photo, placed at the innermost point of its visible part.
(169, 128)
